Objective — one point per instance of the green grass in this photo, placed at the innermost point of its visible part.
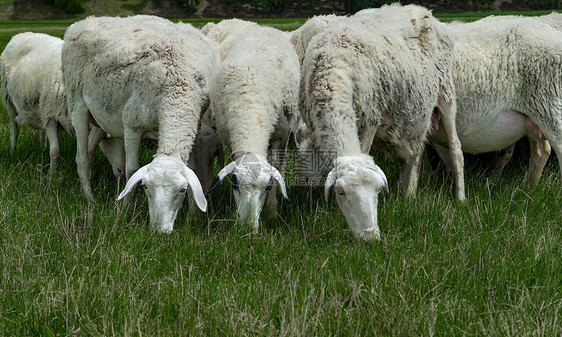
(489, 266)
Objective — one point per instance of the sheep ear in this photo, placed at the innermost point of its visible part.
(228, 169)
(381, 173)
(135, 178)
(279, 178)
(196, 189)
(330, 180)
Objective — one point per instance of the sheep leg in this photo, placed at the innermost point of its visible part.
(443, 154)
(81, 123)
(448, 112)
(551, 132)
(366, 137)
(539, 148)
(95, 136)
(557, 147)
(540, 151)
(132, 145)
(51, 130)
(504, 156)
(14, 130)
(409, 174)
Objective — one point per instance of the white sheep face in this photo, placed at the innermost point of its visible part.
(165, 187)
(251, 182)
(165, 182)
(357, 182)
(252, 178)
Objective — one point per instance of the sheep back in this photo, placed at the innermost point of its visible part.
(145, 72)
(254, 92)
(361, 73)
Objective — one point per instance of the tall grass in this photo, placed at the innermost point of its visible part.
(488, 266)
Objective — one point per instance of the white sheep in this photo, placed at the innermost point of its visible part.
(254, 98)
(508, 80)
(33, 94)
(141, 77)
(382, 76)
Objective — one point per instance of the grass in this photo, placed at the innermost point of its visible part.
(489, 266)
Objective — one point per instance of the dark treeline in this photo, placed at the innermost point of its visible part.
(273, 7)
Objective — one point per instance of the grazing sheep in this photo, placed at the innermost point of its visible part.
(33, 94)
(139, 77)
(508, 80)
(254, 98)
(383, 76)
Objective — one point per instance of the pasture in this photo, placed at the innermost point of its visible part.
(488, 266)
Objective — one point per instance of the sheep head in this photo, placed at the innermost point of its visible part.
(358, 181)
(252, 178)
(114, 150)
(165, 181)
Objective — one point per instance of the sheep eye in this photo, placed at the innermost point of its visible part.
(340, 191)
(234, 182)
(182, 190)
(145, 187)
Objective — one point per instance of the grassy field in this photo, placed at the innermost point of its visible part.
(489, 266)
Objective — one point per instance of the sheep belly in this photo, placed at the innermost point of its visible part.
(493, 135)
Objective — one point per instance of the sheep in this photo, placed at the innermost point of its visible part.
(254, 99)
(380, 77)
(33, 94)
(508, 80)
(141, 77)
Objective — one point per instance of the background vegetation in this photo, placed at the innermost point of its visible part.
(338, 6)
(489, 266)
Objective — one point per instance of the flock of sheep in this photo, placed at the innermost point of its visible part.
(390, 79)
